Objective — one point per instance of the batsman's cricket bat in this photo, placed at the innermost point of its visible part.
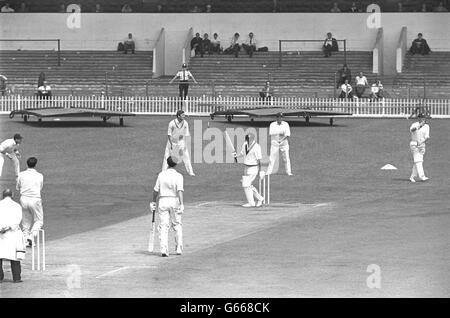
(151, 240)
(229, 143)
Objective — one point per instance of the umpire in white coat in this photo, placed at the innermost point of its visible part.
(11, 238)
(169, 189)
(251, 151)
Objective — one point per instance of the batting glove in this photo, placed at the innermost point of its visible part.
(181, 208)
(234, 154)
(152, 206)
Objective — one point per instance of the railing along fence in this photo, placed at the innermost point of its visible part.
(204, 106)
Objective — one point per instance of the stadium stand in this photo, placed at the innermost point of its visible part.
(80, 73)
(228, 5)
(433, 69)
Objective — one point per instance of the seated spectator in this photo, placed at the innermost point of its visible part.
(424, 7)
(215, 44)
(206, 44)
(159, 8)
(44, 91)
(419, 46)
(195, 9)
(440, 8)
(23, 7)
(329, 45)
(235, 45)
(354, 8)
(250, 44)
(128, 44)
(275, 6)
(361, 84)
(335, 8)
(62, 8)
(376, 91)
(7, 9)
(98, 8)
(196, 44)
(3, 80)
(126, 8)
(266, 93)
(208, 8)
(346, 90)
(344, 74)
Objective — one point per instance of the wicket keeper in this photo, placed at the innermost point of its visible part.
(279, 132)
(420, 134)
(251, 152)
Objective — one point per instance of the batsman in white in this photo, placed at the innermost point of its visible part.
(169, 188)
(176, 144)
(420, 134)
(9, 148)
(251, 151)
(279, 132)
(30, 183)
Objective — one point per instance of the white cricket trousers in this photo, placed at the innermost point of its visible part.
(32, 216)
(418, 153)
(181, 153)
(169, 214)
(250, 174)
(275, 148)
(15, 161)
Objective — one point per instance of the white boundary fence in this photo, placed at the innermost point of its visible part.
(204, 106)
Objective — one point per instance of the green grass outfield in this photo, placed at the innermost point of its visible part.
(341, 214)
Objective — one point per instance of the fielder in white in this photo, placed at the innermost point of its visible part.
(9, 148)
(169, 188)
(251, 152)
(30, 183)
(420, 133)
(176, 144)
(279, 132)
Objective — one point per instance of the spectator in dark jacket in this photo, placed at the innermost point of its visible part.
(344, 74)
(196, 44)
(329, 45)
(206, 44)
(419, 46)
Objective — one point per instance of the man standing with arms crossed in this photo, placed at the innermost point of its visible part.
(169, 189)
(176, 144)
(184, 76)
(279, 132)
(10, 148)
(30, 183)
(251, 151)
(420, 133)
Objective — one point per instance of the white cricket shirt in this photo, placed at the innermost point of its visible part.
(251, 153)
(420, 134)
(30, 183)
(178, 130)
(168, 183)
(361, 80)
(376, 88)
(8, 146)
(278, 132)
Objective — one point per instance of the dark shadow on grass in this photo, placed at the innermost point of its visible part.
(72, 124)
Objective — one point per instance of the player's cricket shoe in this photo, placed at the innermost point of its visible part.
(412, 179)
(259, 203)
(179, 250)
(164, 255)
(192, 174)
(247, 205)
(424, 179)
